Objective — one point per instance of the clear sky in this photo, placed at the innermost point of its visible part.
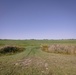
(37, 19)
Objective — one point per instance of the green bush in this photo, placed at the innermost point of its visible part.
(10, 49)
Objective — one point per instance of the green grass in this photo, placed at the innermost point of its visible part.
(34, 61)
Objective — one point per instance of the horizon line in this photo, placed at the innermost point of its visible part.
(39, 39)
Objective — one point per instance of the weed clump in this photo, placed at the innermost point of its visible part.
(10, 49)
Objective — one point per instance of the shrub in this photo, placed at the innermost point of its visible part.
(10, 49)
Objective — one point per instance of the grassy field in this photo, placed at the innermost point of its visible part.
(34, 61)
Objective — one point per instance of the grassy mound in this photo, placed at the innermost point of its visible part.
(10, 49)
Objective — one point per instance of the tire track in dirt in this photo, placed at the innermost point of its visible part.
(36, 63)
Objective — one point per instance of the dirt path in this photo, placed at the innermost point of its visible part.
(34, 63)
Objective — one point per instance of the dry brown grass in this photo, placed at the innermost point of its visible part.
(60, 48)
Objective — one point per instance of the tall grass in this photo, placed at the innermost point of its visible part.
(60, 48)
(44, 47)
(10, 49)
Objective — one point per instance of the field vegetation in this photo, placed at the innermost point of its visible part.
(10, 49)
(38, 57)
(59, 48)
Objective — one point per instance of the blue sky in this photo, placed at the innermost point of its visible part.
(37, 19)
